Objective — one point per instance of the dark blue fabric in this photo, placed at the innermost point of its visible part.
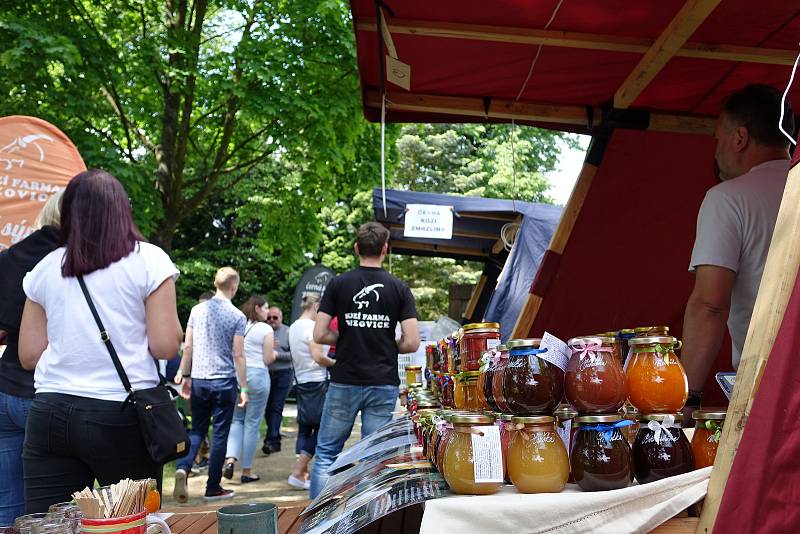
(280, 382)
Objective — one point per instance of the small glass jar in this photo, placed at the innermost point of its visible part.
(705, 440)
(478, 338)
(421, 422)
(656, 380)
(503, 420)
(661, 449)
(459, 392)
(466, 391)
(488, 377)
(413, 374)
(537, 458)
(497, 381)
(595, 381)
(531, 385)
(459, 468)
(651, 331)
(601, 456)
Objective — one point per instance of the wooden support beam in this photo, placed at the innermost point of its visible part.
(587, 41)
(431, 247)
(777, 283)
(473, 298)
(674, 36)
(463, 106)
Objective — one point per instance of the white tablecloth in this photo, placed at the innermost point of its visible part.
(638, 508)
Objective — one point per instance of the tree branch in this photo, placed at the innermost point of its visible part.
(128, 125)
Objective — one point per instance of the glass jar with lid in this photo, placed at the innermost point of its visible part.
(459, 462)
(498, 377)
(413, 374)
(448, 391)
(537, 458)
(466, 391)
(486, 383)
(601, 456)
(531, 385)
(477, 339)
(707, 432)
(661, 449)
(595, 381)
(651, 331)
(655, 377)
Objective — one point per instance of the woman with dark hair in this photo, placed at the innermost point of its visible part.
(16, 384)
(243, 437)
(80, 429)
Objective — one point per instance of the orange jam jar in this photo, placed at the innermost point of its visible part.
(477, 339)
(466, 391)
(459, 463)
(537, 458)
(655, 377)
(705, 440)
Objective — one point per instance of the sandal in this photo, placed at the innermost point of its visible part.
(246, 479)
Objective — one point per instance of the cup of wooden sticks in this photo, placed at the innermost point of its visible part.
(119, 508)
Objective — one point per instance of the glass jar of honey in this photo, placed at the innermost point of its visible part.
(531, 385)
(459, 463)
(601, 456)
(498, 377)
(595, 381)
(466, 391)
(477, 339)
(705, 440)
(537, 458)
(661, 448)
(413, 374)
(655, 377)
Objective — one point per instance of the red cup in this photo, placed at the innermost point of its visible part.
(131, 524)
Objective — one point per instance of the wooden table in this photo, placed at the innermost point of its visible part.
(204, 521)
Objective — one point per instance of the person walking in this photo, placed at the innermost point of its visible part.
(310, 363)
(280, 376)
(258, 353)
(369, 303)
(213, 358)
(79, 428)
(16, 384)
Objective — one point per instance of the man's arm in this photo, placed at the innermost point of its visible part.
(282, 352)
(186, 365)
(241, 367)
(409, 337)
(318, 354)
(704, 322)
(323, 334)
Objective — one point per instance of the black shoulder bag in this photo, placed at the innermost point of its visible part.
(162, 429)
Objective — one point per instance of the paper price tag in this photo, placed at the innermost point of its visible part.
(557, 351)
(492, 344)
(487, 454)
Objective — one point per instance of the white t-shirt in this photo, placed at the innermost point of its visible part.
(301, 333)
(254, 343)
(76, 362)
(734, 230)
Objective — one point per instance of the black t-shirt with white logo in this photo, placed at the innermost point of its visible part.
(369, 303)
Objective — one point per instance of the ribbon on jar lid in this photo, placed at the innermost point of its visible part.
(662, 427)
(528, 351)
(716, 431)
(663, 350)
(590, 349)
(485, 360)
(607, 431)
(442, 425)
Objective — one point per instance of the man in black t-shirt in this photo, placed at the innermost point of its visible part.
(368, 302)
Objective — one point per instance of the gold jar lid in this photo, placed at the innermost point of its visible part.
(652, 340)
(533, 420)
(599, 418)
(472, 419)
(481, 326)
(501, 348)
(651, 330)
(504, 416)
(712, 414)
(660, 417)
(628, 331)
(413, 368)
(592, 340)
(519, 343)
(471, 375)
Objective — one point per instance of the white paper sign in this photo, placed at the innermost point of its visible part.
(558, 352)
(424, 220)
(487, 454)
(492, 344)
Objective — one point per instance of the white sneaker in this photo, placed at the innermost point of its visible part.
(297, 483)
(181, 492)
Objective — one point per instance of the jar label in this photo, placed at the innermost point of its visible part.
(487, 455)
(557, 351)
(492, 344)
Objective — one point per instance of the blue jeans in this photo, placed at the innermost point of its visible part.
(215, 398)
(280, 381)
(13, 414)
(243, 438)
(306, 439)
(342, 404)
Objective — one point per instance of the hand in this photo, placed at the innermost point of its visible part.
(186, 388)
(242, 399)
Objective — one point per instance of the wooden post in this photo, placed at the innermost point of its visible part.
(777, 283)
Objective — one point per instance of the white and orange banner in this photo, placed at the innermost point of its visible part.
(36, 160)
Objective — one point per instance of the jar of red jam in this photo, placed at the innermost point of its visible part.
(448, 391)
(707, 432)
(601, 456)
(595, 381)
(661, 449)
(531, 385)
(655, 377)
(497, 381)
(477, 339)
